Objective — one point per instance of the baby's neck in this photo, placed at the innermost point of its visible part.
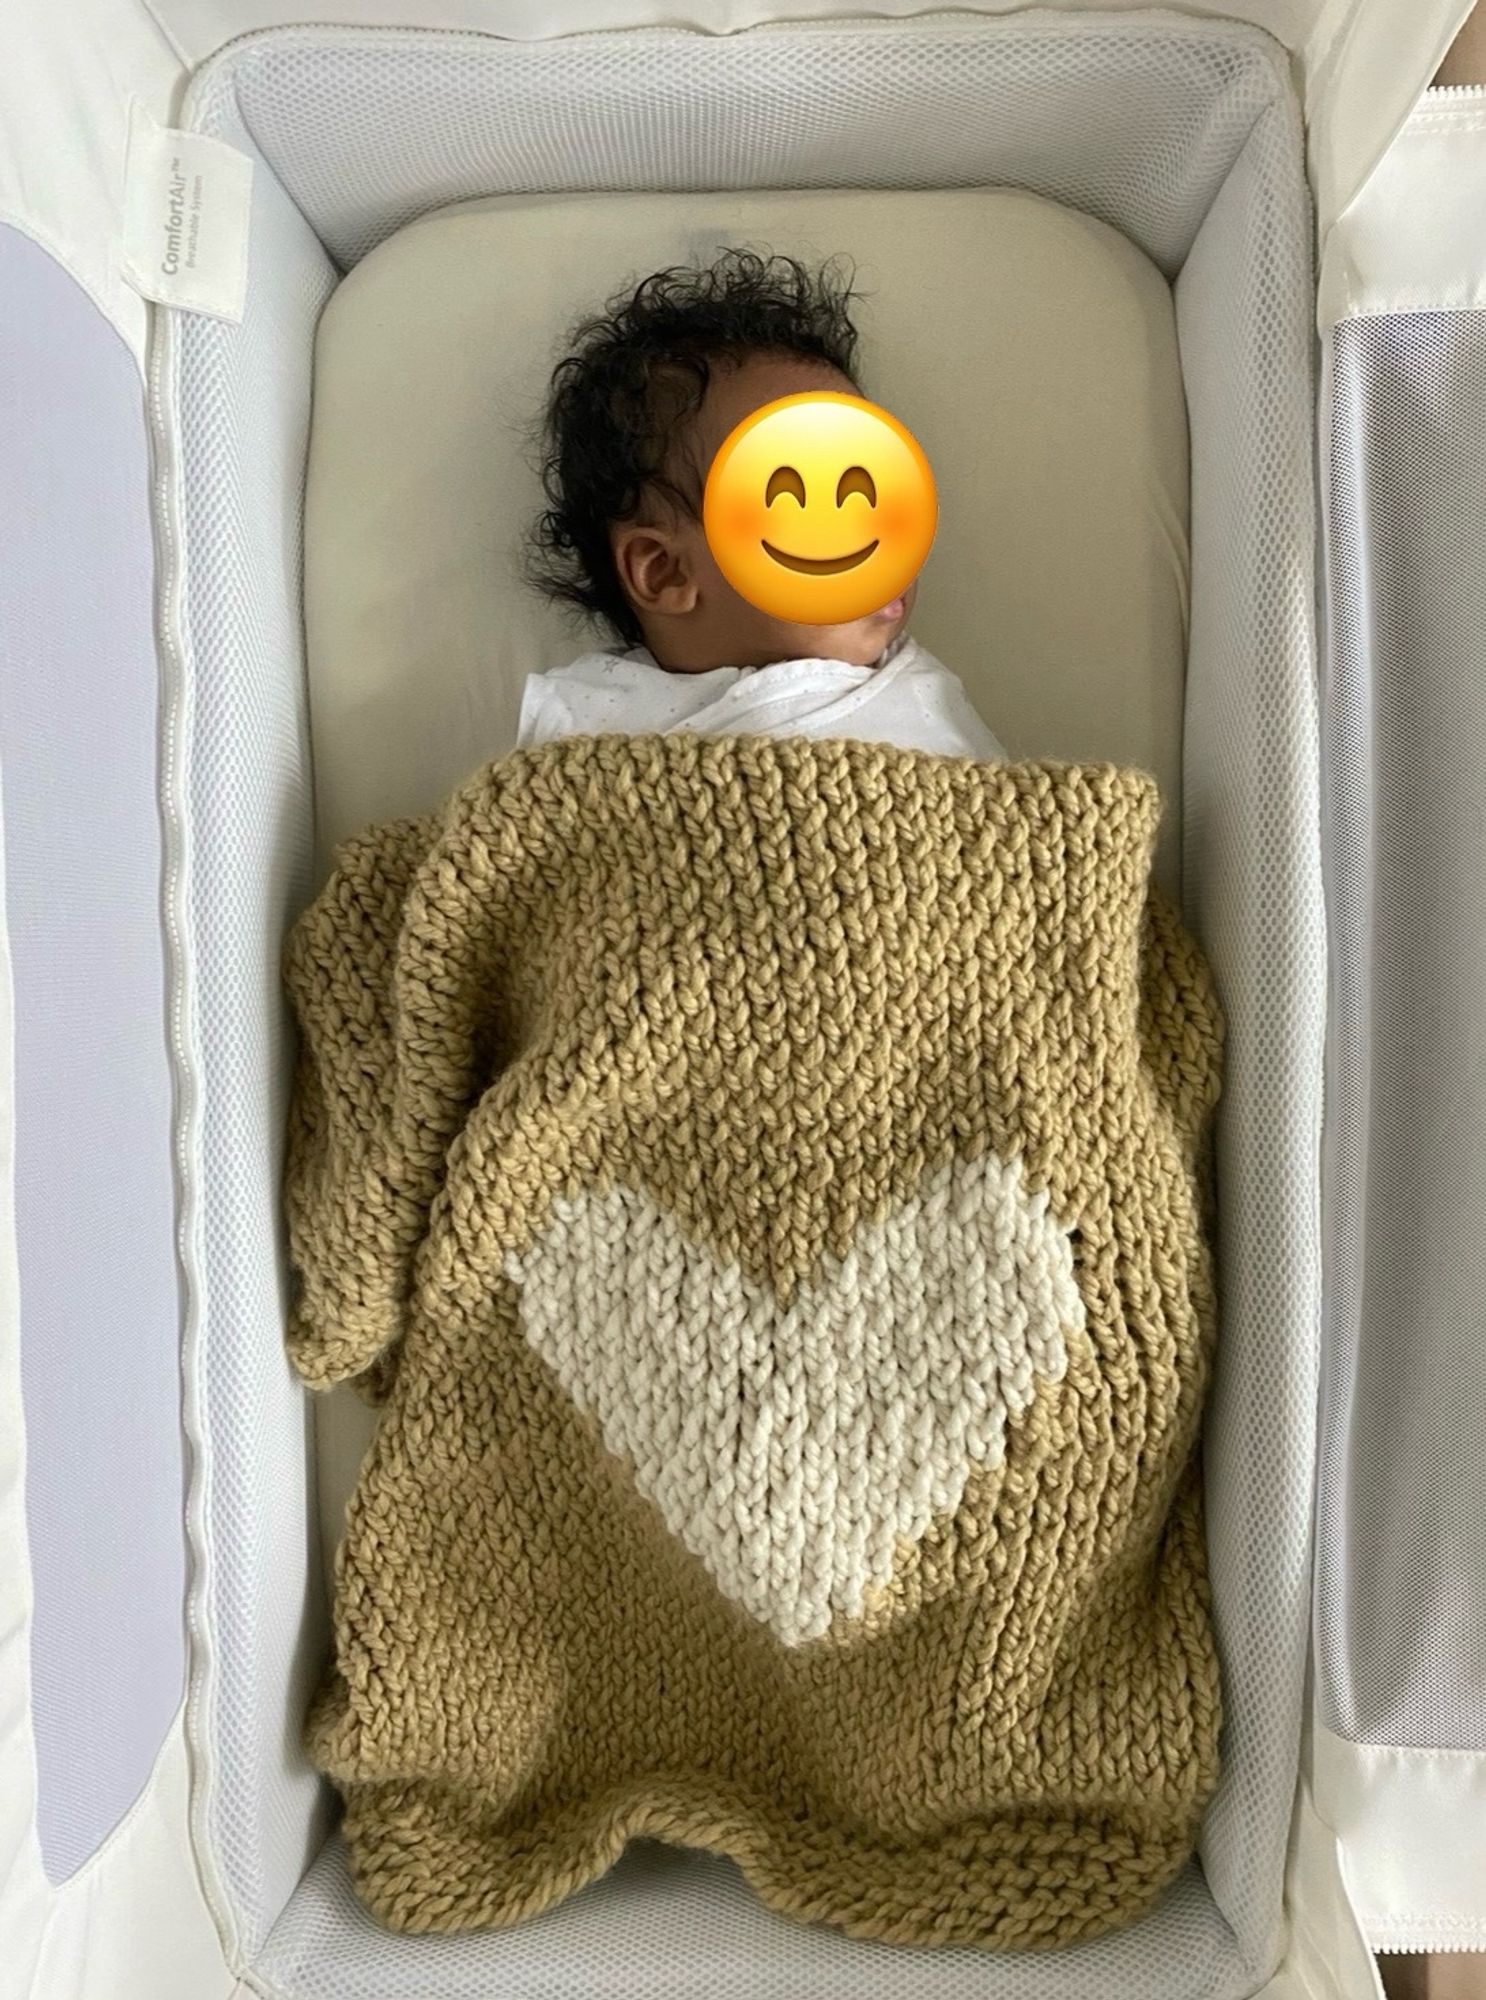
(755, 661)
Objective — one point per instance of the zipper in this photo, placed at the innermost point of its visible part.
(1430, 1947)
(186, 1112)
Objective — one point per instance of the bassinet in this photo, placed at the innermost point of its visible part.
(163, 1834)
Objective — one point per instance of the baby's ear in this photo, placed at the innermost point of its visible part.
(656, 569)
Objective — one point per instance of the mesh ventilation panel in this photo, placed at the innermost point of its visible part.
(369, 131)
(1401, 1559)
(1252, 892)
(240, 849)
(663, 1925)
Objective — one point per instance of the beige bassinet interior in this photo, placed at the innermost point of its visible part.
(1031, 349)
(1084, 248)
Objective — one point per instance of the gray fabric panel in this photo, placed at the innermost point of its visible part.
(100, 1327)
(1401, 1525)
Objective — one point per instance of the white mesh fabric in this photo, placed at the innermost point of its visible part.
(1401, 1516)
(1252, 892)
(663, 1925)
(1138, 121)
(239, 860)
(1135, 126)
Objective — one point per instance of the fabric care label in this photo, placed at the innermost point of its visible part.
(187, 200)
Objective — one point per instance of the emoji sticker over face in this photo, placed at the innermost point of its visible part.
(820, 508)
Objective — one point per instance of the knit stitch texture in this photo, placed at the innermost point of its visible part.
(764, 1186)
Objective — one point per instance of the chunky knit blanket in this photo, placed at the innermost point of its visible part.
(764, 1186)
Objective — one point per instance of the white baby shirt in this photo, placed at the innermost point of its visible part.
(909, 698)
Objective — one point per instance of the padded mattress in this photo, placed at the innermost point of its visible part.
(1031, 349)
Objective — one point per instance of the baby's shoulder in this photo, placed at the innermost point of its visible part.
(603, 669)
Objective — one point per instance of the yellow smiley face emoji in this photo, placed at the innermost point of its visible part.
(820, 508)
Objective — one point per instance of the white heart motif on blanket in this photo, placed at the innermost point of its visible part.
(793, 1448)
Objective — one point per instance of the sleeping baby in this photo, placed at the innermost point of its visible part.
(751, 1143)
(636, 414)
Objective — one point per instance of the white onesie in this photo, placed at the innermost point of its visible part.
(909, 698)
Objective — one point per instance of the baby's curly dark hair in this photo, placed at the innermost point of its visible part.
(637, 372)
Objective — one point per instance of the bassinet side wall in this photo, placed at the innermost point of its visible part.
(1201, 141)
(1251, 878)
(231, 412)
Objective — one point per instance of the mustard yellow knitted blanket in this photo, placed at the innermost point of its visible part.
(764, 1186)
